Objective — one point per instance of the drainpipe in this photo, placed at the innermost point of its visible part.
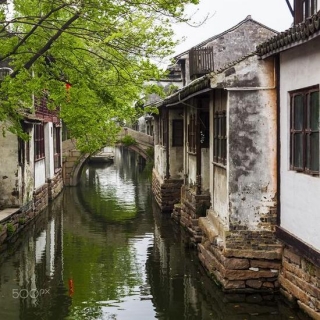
(167, 142)
(198, 150)
(277, 71)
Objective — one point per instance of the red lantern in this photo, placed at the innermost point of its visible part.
(68, 86)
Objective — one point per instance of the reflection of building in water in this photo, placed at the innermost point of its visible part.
(121, 181)
(175, 274)
(31, 275)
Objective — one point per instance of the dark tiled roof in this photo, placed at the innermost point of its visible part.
(193, 87)
(299, 33)
(198, 84)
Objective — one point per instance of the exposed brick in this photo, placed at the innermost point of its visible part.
(227, 284)
(246, 274)
(247, 253)
(234, 263)
(268, 284)
(293, 289)
(292, 257)
(311, 312)
(305, 286)
(265, 264)
(256, 284)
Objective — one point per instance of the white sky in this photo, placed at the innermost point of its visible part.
(274, 14)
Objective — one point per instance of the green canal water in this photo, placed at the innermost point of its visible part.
(102, 250)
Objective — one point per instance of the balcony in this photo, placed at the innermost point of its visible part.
(43, 112)
(200, 62)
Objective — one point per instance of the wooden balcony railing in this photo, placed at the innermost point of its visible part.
(200, 62)
(43, 112)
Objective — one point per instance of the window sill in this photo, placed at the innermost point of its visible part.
(39, 159)
(218, 164)
(308, 173)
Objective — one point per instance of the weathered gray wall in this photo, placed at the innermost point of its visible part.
(9, 170)
(235, 43)
(252, 157)
(176, 153)
(238, 42)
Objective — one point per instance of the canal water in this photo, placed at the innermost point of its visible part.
(104, 251)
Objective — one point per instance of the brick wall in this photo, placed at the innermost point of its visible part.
(193, 207)
(14, 223)
(300, 282)
(166, 192)
(55, 185)
(247, 271)
(239, 258)
(40, 198)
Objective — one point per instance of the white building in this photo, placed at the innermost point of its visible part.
(298, 53)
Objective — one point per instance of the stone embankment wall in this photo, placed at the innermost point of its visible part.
(192, 207)
(246, 271)
(55, 185)
(300, 282)
(166, 192)
(240, 259)
(14, 223)
(20, 217)
(40, 198)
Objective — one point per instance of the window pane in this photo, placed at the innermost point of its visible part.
(177, 133)
(298, 112)
(224, 149)
(224, 125)
(314, 151)
(215, 150)
(314, 111)
(298, 150)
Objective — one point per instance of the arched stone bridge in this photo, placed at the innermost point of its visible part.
(73, 159)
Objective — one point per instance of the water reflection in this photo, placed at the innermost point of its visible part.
(103, 251)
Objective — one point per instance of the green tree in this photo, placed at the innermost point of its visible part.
(91, 57)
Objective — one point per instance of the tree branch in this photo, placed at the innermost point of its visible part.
(47, 46)
(25, 38)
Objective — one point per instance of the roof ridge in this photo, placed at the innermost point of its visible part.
(248, 18)
(298, 33)
(182, 91)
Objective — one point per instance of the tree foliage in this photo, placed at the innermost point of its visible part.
(104, 49)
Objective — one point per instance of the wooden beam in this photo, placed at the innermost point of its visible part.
(290, 7)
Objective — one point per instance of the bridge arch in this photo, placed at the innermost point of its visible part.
(74, 160)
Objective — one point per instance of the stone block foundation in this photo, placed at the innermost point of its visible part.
(242, 272)
(55, 185)
(40, 198)
(166, 192)
(193, 207)
(241, 260)
(300, 282)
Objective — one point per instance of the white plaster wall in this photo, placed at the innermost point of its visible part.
(205, 170)
(300, 193)
(39, 173)
(160, 160)
(176, 153)
(9, 169)
(220, 194)
(28, 183)
(49, 150)
(192, 165)
(219, 185)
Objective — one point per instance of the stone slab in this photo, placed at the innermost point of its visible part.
(5, 213)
